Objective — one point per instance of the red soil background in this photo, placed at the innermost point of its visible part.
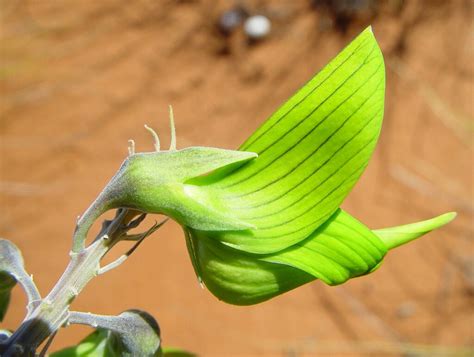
(78, 79)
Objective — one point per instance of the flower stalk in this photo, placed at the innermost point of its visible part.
(52, 312)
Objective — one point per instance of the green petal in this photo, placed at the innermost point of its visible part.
(311, 152)
(240, 278)
(396, 236)
(340, 249)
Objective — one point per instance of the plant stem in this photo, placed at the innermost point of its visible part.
(53, 311)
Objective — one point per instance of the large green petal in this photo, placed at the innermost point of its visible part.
(238, 277)
(311, 152)
(340, 249)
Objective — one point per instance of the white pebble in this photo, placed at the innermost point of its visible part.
(257, 27)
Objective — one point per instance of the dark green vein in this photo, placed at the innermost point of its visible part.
(341, 241)
(309, 193)
(336, 253)
(312, 174)
(348, 179)
(361, 247)
(314, 152)
(299, 123)
(247, 144)
(354, 230)
(340, 268)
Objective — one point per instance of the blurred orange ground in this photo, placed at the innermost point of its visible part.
(78, 79)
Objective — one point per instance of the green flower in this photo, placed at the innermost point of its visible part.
(265, 219)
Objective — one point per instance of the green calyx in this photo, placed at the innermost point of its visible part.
(265, 219)
(158, 183)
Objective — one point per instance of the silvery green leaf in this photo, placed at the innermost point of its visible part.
(132, 333)
(137, 334)
(7, 282)
(11, 263)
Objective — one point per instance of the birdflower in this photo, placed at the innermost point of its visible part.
(266, 218)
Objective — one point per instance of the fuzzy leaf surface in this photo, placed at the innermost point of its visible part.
(11, 263)
(12, 260)
(159, 182)
(132, 333)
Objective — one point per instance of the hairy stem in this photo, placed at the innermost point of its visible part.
(52, 312)
(86, 221)
(34, 297)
